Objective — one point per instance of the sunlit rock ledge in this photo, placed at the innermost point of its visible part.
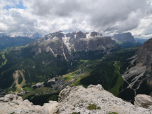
(78, 100)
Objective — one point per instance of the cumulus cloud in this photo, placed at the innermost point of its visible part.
(107, 16)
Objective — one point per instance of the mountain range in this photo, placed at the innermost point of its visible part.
(47, 65)
(8, 42)
(52, 54)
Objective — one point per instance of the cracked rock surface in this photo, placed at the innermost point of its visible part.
(78, 100)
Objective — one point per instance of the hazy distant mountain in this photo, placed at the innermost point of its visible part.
(17, 39)
(124, 37)
(1, 34)
(141, 40)
(7, 42)
(37, 35)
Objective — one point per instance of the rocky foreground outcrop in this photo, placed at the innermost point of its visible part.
(142, 100)
(13, 104)
(77, 100)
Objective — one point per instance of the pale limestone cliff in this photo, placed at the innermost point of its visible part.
(59, 43)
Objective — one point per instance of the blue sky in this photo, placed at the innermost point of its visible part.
(17, 5)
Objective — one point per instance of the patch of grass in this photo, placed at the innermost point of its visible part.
(93, 107)
(42, 89)
(27, 94)
(3, 57)
(84, 61)
(69, 76)
(28, 88)
(76, 113)
(78, 82)
(5, 62)
(115, 89)
(12, 113)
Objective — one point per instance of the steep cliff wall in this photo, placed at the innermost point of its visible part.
(95, 43)
(124, 37)
(144, 56)
(62, 44)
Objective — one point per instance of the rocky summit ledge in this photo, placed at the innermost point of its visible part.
(78, 100)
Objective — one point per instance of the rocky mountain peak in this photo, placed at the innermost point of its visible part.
(124, 37)
(58, 34)
(94, 43)
(58, 43)
(80, 34)
(95, 33)
(144, 57)
(145, 52)
(37, 35)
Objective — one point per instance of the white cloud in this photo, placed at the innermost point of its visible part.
(108, 16)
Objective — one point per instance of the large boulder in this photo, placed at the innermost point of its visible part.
(142, 100)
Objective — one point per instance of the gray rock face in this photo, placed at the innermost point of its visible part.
(58, 43)
(142, 68)
(38, 85)
(55, 46)
(80, 35)
(14, 104)
(49, 108)
(93, 100)
(95, 43)
(124, 37)
(75, 36)
(145, 53)
(144, 56)
(37, 35)
(81, 45)
(79, 99)
(135, 75)
(59, 34)
(94, 34)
